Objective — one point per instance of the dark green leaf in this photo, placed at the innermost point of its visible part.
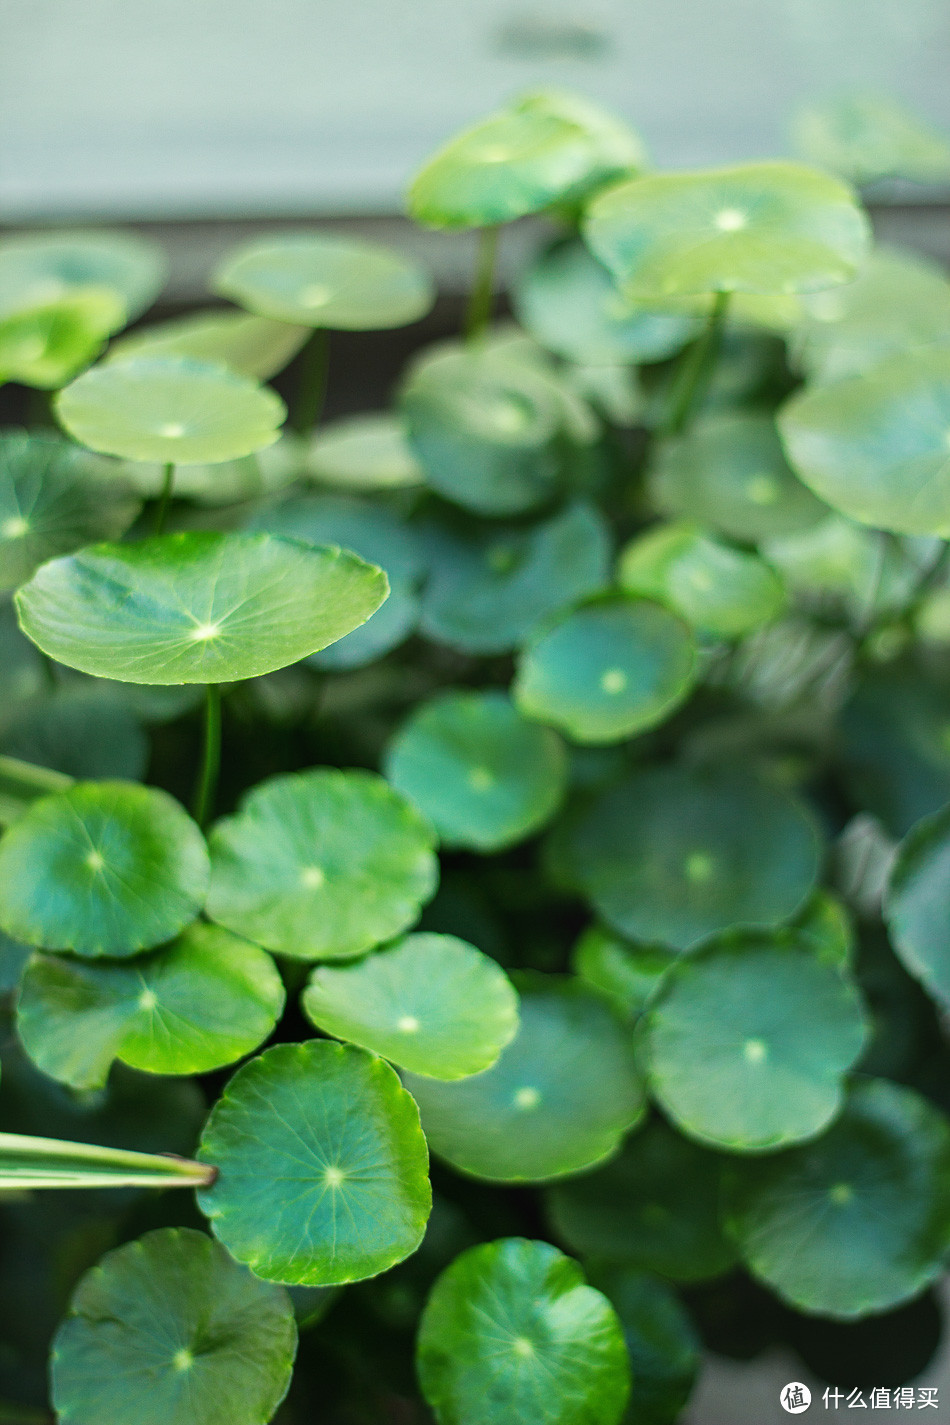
(560, 1098)
(88, 732)
(54, 498)
(662, 1343)
(607, 671)
(858, 1221)
(674, 854)
(168, 1330)
(655, 1206)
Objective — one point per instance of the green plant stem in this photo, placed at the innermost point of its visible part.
(165, 498)
(22, 783)
(27, 1162)
(482, 296)
(210, 756)
(49, 671)
(691, 381)
(312, 386)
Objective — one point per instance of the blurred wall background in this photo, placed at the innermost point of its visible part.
(216, 109)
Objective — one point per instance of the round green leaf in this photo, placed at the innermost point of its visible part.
(168, 1330)
(756, 227)
(363, 453)
(749, 1039)
(252, 346)
(917, 906)
(569, 302)
(321, 865)
(560, 1098)
(545, 148)
(104, 868)
(490, 592)
(674, 854)
(899, 301)
(512, 1335)
(662, 1343)
(607, 671)
(877, 446)
(43, 267)
(627, 975)
(377, 534)
(484, 425)
(198, 607)
(321, 281)
(655, 1205)
(858, 1221)
(170, 408)
(44, 346)
(482, 776)
(729, 472)
(432, 1004)
(322, 1166)
(53, 499)
(85, 732)
(715, 588)
(866, 137)
(197, 1004)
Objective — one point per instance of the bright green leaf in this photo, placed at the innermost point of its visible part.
(748, 1041)
(717, 589)
(321, 865)
(105, 868)
(199, 607)
(512, 1335)
(321, 281)
(559, 1099)
(877, 446)
(168, 1330)
(607, 671)
(46, 266)
(368, 452)
(252, 346)
(170, 408)
(432, 1004)
(543, 149)
(197, 1004)
(44, 346)
(756, 227)
(322, 1166)
(483, 776)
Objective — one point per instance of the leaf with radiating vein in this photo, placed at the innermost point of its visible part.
(322, 1166)
(197, 1004)
(199, 607)
(168, 1330)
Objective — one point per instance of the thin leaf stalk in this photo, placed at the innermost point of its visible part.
(30, 1163)
(482, 296)
(314, 369)
(209, 772)
(694, 373)
(165, 498)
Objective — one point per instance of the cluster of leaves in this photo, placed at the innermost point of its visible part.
(631, 622)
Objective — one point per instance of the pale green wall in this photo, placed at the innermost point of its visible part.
(137, 108)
